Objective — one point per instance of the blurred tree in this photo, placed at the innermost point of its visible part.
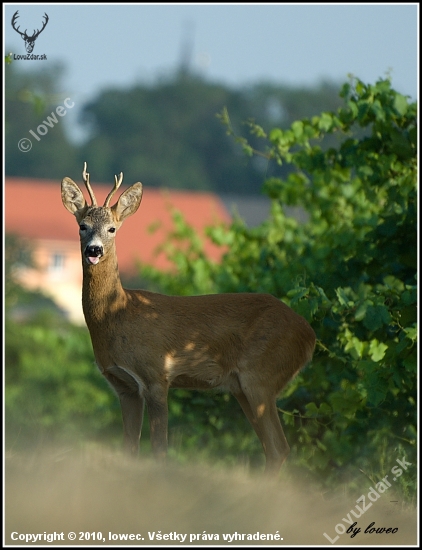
(168, 134)
(30, 98)
(280, 105)
(165, 134)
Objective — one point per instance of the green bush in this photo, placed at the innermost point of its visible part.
(350, 270)
(53, 389)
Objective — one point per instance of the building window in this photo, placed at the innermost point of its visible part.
(56, 263)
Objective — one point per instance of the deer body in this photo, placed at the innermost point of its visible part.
(145, 343)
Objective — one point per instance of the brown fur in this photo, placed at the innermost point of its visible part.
(145, 342)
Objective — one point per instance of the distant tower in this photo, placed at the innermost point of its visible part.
(186, 49)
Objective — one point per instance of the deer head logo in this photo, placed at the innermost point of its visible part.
(29, 40)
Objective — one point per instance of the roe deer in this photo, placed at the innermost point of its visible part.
(145, 343)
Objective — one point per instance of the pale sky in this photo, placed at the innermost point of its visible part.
(118, 45)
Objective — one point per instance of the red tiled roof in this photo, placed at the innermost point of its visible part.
(34, 209)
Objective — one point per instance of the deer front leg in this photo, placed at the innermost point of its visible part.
(132, 405)
(156, 400)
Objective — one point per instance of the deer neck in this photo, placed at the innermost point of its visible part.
(102, 291)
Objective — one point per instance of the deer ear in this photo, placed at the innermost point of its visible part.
(72, 197)
(128, 202)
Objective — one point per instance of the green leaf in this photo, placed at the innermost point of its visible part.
(375, 396)
(409, 297)
(376, 317)
(311, 410)
(361, 311)
(411, 333)
(297, 128)
(325, 122)
(400, 104)
(343, 299)
(298, 293)
(325, 302)
(355, 347)
(377, 350)
(325, 409)
(378, 110)
(410, 363)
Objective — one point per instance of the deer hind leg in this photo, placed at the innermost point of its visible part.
(156, 400)
(246, 408)
(261, 411)
(283, 448)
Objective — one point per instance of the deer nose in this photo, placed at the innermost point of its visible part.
(94, 251)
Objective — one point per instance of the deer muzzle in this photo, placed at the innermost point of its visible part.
(93, 254)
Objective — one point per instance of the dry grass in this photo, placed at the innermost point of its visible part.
(97, 490)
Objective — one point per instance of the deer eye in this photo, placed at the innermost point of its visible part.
(112, 230)
(82, 227)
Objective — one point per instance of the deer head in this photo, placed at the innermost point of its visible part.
(29, 40)
(98, 224)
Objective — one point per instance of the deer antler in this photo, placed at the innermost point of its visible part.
(117, 184)
(37, 32)
(85, 177)
(14, 19)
